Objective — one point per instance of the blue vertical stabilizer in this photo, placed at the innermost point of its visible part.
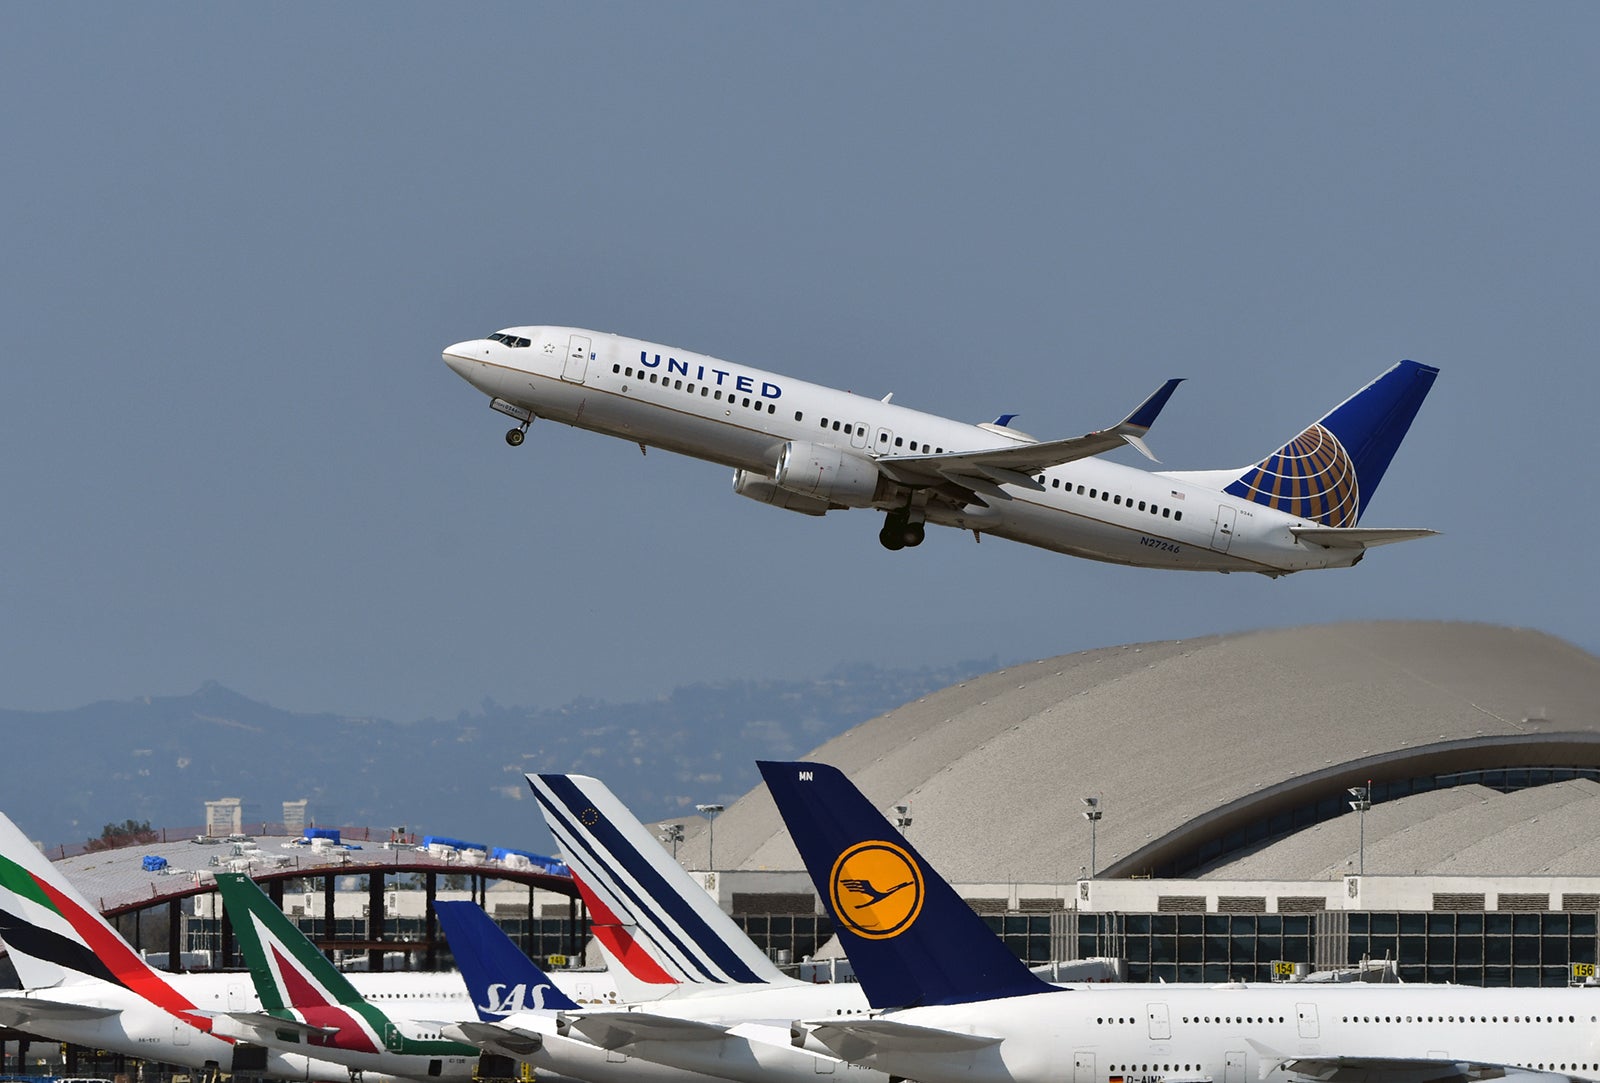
(911, 939)
(1329, 472)
(500, 978)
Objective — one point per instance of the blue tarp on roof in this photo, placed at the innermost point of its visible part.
(548, 864)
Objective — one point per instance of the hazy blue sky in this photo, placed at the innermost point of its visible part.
(236, 238)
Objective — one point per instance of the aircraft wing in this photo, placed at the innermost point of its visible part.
(19, 1010)
(1356, 537)
(1394, 1069)
(267, 1024)
(496, 1038)
(855, 1039)
(613, 1030)
(982, 472)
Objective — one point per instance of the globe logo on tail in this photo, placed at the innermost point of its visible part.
(1312, 477)
(876, 890)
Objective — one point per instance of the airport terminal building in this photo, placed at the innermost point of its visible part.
(1221, 769)
(1224, 845)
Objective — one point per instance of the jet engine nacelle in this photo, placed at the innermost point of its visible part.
(827, 473)
(762, 488)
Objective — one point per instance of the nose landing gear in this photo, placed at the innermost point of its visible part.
(518, 413)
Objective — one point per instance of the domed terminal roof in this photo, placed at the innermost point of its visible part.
(1205, 753)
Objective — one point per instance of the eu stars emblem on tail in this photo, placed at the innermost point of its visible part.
(876, 889)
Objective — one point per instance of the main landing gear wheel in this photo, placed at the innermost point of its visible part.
(899, 533)
(514, 437)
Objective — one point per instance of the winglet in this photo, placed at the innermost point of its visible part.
(499, 977)
(910, 937)
(1138, 423)
(1133, 427)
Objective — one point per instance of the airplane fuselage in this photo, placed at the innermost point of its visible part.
(135, 1027)
(744, 418)
(1230, 1034)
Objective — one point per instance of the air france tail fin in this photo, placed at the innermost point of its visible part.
(1329, 472)
(911, 939)
(650, 915)
(500, 978)
(56, 937)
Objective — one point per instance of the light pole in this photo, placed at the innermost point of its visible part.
(710, 813)
(672, 833)
(1362, 802)
(1092, 813)
(902, 817)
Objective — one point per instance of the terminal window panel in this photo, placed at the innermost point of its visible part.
(786, 936)
(1495, 949)
(1027, 935)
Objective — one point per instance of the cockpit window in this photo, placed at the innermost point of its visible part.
(510, 340)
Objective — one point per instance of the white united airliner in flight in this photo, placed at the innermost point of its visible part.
(815, 449)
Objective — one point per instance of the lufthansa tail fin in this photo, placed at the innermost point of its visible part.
(911, 939)
(1329, 472)
(499, 977)
(648, 911)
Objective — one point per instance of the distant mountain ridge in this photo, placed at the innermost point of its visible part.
(160, 758)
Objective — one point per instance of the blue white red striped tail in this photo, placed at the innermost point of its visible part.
(650, 914)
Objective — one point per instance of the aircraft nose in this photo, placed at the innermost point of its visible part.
(461, 357)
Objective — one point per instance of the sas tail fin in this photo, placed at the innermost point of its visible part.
(648, 912)
(500, 978)
(910, 937)
(1329, 472)
(56, 937)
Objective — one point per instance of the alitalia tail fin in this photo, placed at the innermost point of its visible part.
(288, 970)
(1329, 472)
(295, 981)
(500, 979)
(910, 937)
(649, 913)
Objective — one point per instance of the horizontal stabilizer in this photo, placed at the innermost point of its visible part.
(856, 1039)
(496, 1038)
(1356, 537)
(17, 1010)
(265, 1024)
(613, 1030)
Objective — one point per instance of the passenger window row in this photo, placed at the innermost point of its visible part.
(1114, 498)
(1462, 1019)
(857, 429)
(706, 390)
